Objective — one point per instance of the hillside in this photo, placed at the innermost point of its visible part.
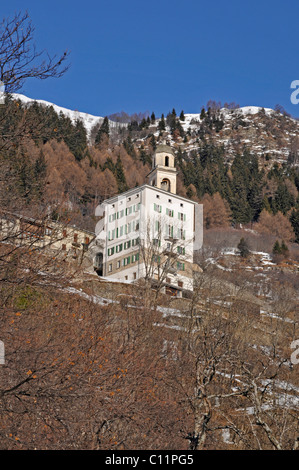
(104, 366)
(100, 365)
(88, 120)
(271, 134)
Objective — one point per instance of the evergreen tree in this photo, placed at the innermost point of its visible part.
(276, 248)
(153, 118)
(153, 142)
(39, 173)
(294, 219)
(103, 131)
(266, 204)
(182, 116)
(143, 123)
(120, 175)
(162, 125)
(144, 157)
(129, 146)
(78, 143)
(243, 248)
(202, 114)
(283, 199)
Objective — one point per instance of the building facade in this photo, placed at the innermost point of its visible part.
(150, 231)
(65, 240)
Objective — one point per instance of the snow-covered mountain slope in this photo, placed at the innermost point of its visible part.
(266, 132)
(88, 120)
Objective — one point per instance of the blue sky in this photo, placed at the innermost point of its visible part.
(159, 55)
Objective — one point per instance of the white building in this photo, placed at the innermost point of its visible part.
(150, 231)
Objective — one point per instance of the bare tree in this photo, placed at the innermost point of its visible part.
(19, 58)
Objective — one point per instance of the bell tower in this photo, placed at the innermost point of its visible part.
(163, 173)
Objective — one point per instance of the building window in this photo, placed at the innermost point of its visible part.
(134, 275)
(118, 264)
(135, 257)
(126, 261)
(180, 266)
(119, 248)
(112, 217)
(169, 231)
(182, 216)
(111, 251)
(127, 245)
(111, 235)
(181, 250)
(157, 208)
(135, 242)
(156, 259)
(110, 268)
(181, 234)
(169, 212)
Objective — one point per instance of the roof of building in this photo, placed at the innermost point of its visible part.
(141, 188)
(164, 148)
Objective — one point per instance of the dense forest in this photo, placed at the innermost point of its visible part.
(54, 160)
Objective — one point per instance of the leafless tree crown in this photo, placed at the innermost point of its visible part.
(19, 58)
